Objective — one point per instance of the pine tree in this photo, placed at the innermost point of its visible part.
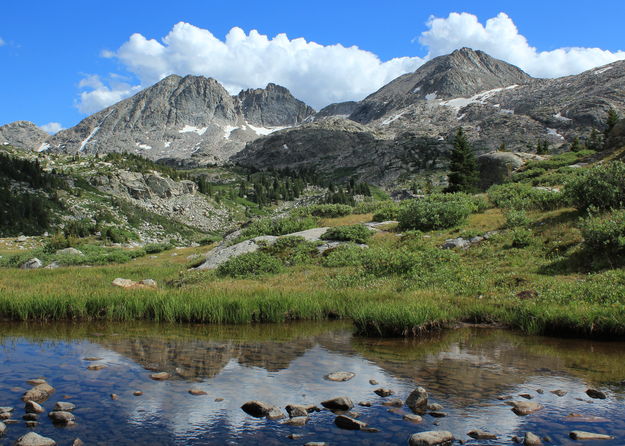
(613, 118)
(464, 174)
(595, 140)
(576, 146)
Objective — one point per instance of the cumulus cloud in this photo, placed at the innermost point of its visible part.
(500, 38)
(319, 74)
(96, 95)
(52, 127)
(2, 42)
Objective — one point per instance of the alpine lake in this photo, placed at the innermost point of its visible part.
(106, 370)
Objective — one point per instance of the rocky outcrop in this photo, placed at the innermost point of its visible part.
(273, 106)
(189, 118)
(497, 167)
(23, 135)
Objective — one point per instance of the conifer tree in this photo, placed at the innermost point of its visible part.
(464, 174)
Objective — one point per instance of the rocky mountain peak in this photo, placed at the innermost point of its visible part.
(462, 73)
(273, 106)
(23, 135)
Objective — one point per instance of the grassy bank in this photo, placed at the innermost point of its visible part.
(552, 264)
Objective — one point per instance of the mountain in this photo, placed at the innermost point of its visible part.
(406, 127)
(184, 118)
(23, 134)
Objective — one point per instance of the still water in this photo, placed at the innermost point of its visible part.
(465, 370)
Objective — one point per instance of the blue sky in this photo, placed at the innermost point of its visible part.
(53, 51)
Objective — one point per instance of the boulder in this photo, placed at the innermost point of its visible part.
(33, 439)
(64, 406)
(431, 438)
(297, 421)
(413, 418)
(39, 393)
(532, 440)
(61, 417)
(33, 263)
(160, 376)
(581, 435)
(30, 417)
(123, 283)
(596, 394)
(33, 407)
(260, 409)
(298, 410)
(69, 252)
(559, 392)
(525, 407)
(338, 403)
(345, 422)
(497, 167)
(3, 428)
(148, 283)
(340, 376)
(481, 435)
(383, 392)
(454, 243)
(197, 392)
(418, 401)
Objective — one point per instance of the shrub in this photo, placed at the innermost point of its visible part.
(79, 228)
(388, 212)
(293, 250)
(438, 211)
(516, 218)
(116, 235)
(524, 196)
(154, 248)
(564, 159)
(280, 226)
(250, 264)
(424, 264)
(369, 207)
(56, 242)
(605, 233)
(348, 254)
(601, 186)
(521, 237)
(351, 233)
(324, 210)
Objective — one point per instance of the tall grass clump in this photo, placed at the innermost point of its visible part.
(602, 187)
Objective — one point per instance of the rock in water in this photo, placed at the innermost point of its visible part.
(581, 435)
(338, 403)
(61, 417)
(532, 440)
(33, 439)
(32, 407)
(297, 421)
(161, 376)
(596, 394)
(345, 422)
(481, 435)
(340, 376)
(39, 393)
(297, 410)
(260, 409)
(64, 406)
(524, 407)
(383, 392)
(3, 428)
(431, 438)
(418, 401)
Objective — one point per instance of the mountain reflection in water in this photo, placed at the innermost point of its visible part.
(465, 370)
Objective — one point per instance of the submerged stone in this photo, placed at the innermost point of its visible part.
(432, 438)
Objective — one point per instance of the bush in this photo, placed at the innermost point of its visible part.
(280, 226)
(324, 210)
(605, 233)
(371, 207)
(601, 186)
(154, 248)
(524, 196)
(438, 211)
(425, 264)
(521, 237)
(250, 264)
(388, 212)
(116, 235)
(293, 250)
(348, 254)
(351, 233)
(516, 218)
(56, 242)
(564, 159)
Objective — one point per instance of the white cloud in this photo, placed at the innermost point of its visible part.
(500, 38)
(52, 127)
(2, 42)
(99, 95)
(315, 73)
